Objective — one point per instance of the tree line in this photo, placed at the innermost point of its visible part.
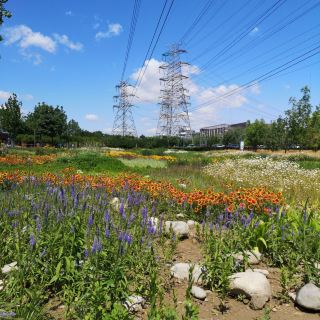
(49, 125)
(299, 126)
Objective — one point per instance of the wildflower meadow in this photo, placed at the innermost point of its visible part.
(110, 241)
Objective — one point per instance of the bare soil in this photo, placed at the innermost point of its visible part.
(189, 250)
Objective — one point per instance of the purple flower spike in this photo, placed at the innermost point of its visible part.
(128, 238)
(106, 217)
(90, 220)
(32, 241)
(96, 246)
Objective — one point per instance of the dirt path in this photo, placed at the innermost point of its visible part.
(189, 250)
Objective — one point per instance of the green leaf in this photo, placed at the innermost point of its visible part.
(263, 242)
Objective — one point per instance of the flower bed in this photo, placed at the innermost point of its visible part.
(16, 160)
(256, 199)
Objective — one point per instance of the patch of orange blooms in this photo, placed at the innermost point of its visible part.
(257, 199)
(15, 159)
(132, 155)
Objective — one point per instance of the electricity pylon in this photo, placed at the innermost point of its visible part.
(174, 117)
(123, 122)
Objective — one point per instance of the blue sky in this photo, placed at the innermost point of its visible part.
(71, 53)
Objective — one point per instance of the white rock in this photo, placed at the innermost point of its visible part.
(263, 271)
(9, 267)
(154, 222)
(182, 185)
(198, 293)
(115, 203)
(254, 257)
(293, 296)
(254, 285)
(181, 271)
(179, 228)
(191, 223)
(309, 297)
(1, 285)
(180, 215)
(135, 303)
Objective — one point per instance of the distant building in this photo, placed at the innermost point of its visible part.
(220, 129)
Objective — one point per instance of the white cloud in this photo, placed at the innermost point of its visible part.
(206, 101)
(4, 95)
(36, 58)
(151, 131)
(96, 25)
(149, 89)
(107, 130)
(97, 22)
(254, 30)
(28, 97)
(287, 86)
(25, 37)
(255, 88)
(64, 40)
(69, 13)
(91, 117)
(114, 29)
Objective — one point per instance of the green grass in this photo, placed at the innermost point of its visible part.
(144, 163)
(309, 165)
(90, 162)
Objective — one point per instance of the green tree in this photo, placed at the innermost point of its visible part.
(73, 131)
(313, 134)
(277, 137)
(10, 116)
(233, 136)
(298, 118)
(47, 121)
(3, 13)
(256, 133)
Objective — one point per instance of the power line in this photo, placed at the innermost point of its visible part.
(205, 23)
(268, 34)
(147, 60)
(256, 23)
(309, 54)
(273, 59)
(202, 13)
(151, 42)
(276, 47)
(134, 19)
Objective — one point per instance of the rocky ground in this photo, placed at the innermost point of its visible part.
(263, 284)
(259, 286)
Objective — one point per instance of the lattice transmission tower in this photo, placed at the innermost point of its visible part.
(123, 122)
(174, 117)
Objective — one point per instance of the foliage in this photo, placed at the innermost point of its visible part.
(92, 162)
(10, 116)
(46, 120)
(256, 133)
(3, 13)
(65, 238)
(298, 117)
(288, 240)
